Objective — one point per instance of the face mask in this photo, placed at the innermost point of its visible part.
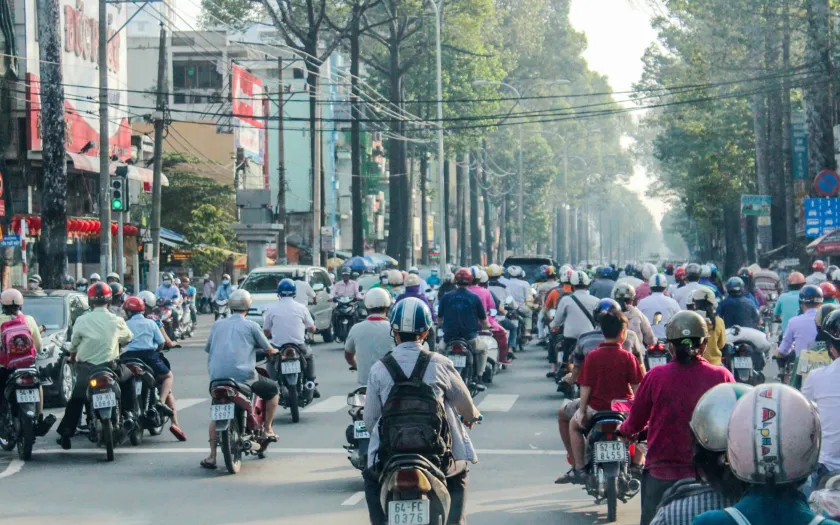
(225, 282)
(167, 283)
(384, 281)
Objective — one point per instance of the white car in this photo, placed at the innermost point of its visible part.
(262, 284)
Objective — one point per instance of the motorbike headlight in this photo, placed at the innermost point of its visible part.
(47, 352)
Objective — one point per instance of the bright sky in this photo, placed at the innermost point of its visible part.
(618, 32)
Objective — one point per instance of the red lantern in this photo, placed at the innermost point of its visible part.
(114, 229)
(38, 223)
(16, 224)
(97, 227)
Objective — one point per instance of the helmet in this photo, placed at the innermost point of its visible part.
(514, 271)
(831, 269)
(745, 273)
(134, 304)
(95, 277)
(383, 275)
(810, 294)
(686, 324)
(830, 325)
(464, 276)
(692, 270)
(762, 450)
(483, 277)
(11, 297)
(414, 270)
(648, 271)
(35, 278)
(99, 293)
(658, 281)
(378, 298)
(705, 271)
(835, 275)
(494, 270)
(734, 286)
(346, 271)
(395, 278)
(829, 290)
(68, 280)
(116, 290)
(704, 293)
(623, 291)
(287, 288)
(411, 316)
(544, 271)
(823, 312)
(240, 300)
(710, 419)
(434, 271)
(818, 265)
(679, 273)
(166, 276)
(713, 267)
(605, 272)
(225, 276)
(412, 280)
(606, 306)
(148, 298)
(114, 275)
(669, 267)
(578, 278)
(177, 282)
(796, 278)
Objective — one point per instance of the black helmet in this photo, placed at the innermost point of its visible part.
(810, 294)
(734, 286)
(116, 292)
(831, 326)
(99, 294)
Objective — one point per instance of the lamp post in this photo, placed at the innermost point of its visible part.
(441, 203)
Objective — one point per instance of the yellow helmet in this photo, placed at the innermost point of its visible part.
(494, 270)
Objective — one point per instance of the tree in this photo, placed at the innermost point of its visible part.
(208, 231)
(188, 190)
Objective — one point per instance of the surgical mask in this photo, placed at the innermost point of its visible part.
(384, 281)
(167, 283)
(226, 282)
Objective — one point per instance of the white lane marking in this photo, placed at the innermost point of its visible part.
(14, 467)
(330, 404)
(352, 500)
(299, 451)
(497, 402)
(521, 452)
(182, 404)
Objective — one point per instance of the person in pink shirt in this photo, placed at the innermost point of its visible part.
(346, 287)
(489, 303)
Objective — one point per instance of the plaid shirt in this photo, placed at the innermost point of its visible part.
(686, 500)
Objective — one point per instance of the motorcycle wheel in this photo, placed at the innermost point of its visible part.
(294, 405)
(612, 499)
(328, 334)
(26, 439)
(8, 443)
(136, 435)
(230, 447)
(108, 439)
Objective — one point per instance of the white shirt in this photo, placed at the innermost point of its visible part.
(519, 289)
(572, 317)
(821, 388)
(658, 302)
(685, 295)
(304, 293)
(816, 278)
(287, 320)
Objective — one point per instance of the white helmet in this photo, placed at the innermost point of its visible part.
(579, 278)
(177, 282)
(648, 271)
(705, 271)
(35, 278)
(514, 271)
(239, 301)
(114, 275)
(412, 279)
(710, 420)
(148, 298)
(658, 281)
(11, 297)
(95, 277)
(377, 298)
(395, 278)
(483, 277)
(624, 291)
(774, 436)
(414, 270)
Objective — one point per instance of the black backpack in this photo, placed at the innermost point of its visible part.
(413, 420)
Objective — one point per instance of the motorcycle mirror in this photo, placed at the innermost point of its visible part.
(42, 328)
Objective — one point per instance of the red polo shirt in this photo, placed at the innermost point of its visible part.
(609, 370)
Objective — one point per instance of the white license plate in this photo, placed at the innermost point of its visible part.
(360, 430)
(409, 512)
(743, 363)
(657, 361)
(138, 387)
(609, 451)
(221, 412)
(106, 400)
(290, 367)
(460, 361)
(30, 395)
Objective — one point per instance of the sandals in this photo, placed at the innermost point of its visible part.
(573, 477)
(209, 465)
(271, 437)
(178, 433)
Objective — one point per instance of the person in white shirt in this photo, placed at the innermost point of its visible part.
(287, 321)
(685, 295)
(574, 314)
(819, 275)
(304, 295)
(370, 340)
(658, 303)
(522, 294)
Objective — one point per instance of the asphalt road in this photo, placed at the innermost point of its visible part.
(305, 477)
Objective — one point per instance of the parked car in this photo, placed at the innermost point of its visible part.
(51, 310)
(262, 284)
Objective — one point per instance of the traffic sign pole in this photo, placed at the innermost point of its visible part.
(121, 246)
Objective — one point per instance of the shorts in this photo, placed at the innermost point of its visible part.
(571, 406)
(264, 387)
(153, 360)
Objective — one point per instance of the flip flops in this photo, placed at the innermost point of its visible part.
(205, 463)
(178, 433)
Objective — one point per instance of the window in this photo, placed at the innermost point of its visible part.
(196, 75)
(319, 277)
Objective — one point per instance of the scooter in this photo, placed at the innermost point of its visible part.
(344, 317)
(221, 309)
(657, 355)
(358, 436)
(491, 347)
(108, 421)
(296, 391)
(745, 354)
(152, 415)
(22, 418)
(462, 356)
(187, 326)
(165, 307)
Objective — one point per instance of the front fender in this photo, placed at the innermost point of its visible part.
(222, 425)
(611, 470)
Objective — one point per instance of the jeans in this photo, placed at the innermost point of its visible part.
(511, 327)
(192, 313)
(652, 491)
(73, 412)
(456, 485)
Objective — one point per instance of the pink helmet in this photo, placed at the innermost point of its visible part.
(774, 436)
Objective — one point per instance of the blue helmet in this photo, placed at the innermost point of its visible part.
(606, 306)
(605, 272)
(411, 316)
(810, 294)
(287, 288)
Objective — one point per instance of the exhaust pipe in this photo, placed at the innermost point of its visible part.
(634, 485)
(309, 385)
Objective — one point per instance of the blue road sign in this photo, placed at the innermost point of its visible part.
(821, 216)
(10, 241)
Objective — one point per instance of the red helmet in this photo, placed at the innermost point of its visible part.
(829, 290)
(679, 273)
(134, 304)
(99, 293)
(818, 265)
(464, 276)
(796, 278)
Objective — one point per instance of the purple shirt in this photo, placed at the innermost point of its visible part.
(801, 331)
(414, 291)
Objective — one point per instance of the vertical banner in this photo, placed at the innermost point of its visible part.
(248, 114)
(799, 149)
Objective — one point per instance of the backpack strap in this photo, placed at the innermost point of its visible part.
(736, 515)
(817, 520)
(394, 368)
(421, 365)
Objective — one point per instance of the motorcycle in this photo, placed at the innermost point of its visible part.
(825, 501)
(657, 355)
(358, 436)
(462, 356)
(296, 391)
(238, 415)
(221, 308)
(491, 347)
(344, 317)
(152, 415)
(107, 420)
(21, 418)
(745, 353)
(165, 307)
(187, 326)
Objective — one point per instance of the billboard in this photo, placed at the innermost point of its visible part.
(248, 113)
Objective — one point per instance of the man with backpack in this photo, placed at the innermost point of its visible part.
(412, 376)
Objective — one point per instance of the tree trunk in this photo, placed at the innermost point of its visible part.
(445, 218)
(818, 93)
(461, 187)
(313, 86)
(424, 210)
(475, 235)
(488, 228)
(759, 109)
(506, 230)
(397, 164)
(732, 237)
(775, 159)
(787, 148)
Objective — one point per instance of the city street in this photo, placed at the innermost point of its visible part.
(306, 477)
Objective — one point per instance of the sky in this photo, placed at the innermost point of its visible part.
(618, 32)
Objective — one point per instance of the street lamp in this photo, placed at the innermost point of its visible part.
(442, 204)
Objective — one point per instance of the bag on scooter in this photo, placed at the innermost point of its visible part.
(18, 348)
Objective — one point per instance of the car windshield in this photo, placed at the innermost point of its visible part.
(367, 281)
(267, 282)
(529, 265)
(48, 311)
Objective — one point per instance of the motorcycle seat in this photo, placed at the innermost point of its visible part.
(605, 415)
(242, 387)
(135, 361)
(402, 461)
(101, 369)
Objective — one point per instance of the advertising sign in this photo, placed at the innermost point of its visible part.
(249, 113)
(755, 205)
(821, 216)
(799, 140)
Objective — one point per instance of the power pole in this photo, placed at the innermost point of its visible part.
(281, 167)
(162, 100)
(104, 146)
(356, 139)
(472, 193)
(53, 243)
(424, 211)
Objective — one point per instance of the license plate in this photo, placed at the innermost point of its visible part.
(30, 395)
(560, 356)
(409, 512)
(657, 361)
(360, 430)
(290, 367)
(744, 363)
(460, 361)
(106, 400)
(221, 412)
(609, 451)
(138, 387)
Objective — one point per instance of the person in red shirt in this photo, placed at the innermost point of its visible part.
(609, 372)
(664, 404)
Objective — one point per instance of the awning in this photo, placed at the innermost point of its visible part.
(90, 164)
(828, 244)
(171, 238)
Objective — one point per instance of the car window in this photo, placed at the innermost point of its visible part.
(265, 282)
(48, 311)
(319, 276)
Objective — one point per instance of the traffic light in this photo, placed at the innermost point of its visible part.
(119, 190)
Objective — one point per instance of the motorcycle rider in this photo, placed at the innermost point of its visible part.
(113, 277)
(232, 354)
(829, 292)
(625, 296)
(286, 321)
(686, 378)
(787, 307)
(68, 283)
(370, 340)
(416, 271)
(189, 293)
(94, 278)
(715, 486)
(414, 288)
(224, 291)
(631, 276)
(167, 291)
(736, 309)
(679, 281)
(501, 295)
(658, 303)
(549, 274)
(705, 304)
(480, 288)
(817, 354)
(96, 341)
(144, 346)
(602, 286)
(818, 276)
(773, 445)
(346, 287)
(669, 274)
(207, 293)
(802, 329)
(767, 280)
(706, 279)
(643, 290)
(384, 281)
(752, 292)
(117, 299)
(685, 294)
(34, 282)
(434, 278)
(574, 314)
(82, 285)
(410, 322)
(448, 285)
(523, 295)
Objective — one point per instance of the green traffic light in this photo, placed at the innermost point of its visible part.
(116, 204)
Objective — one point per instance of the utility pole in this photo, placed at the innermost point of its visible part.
(281, 167)
(162, 100)
(442, 178)
(104, 146)
(424, 211)
(53, 263)
(356, 139)
(472, 193)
